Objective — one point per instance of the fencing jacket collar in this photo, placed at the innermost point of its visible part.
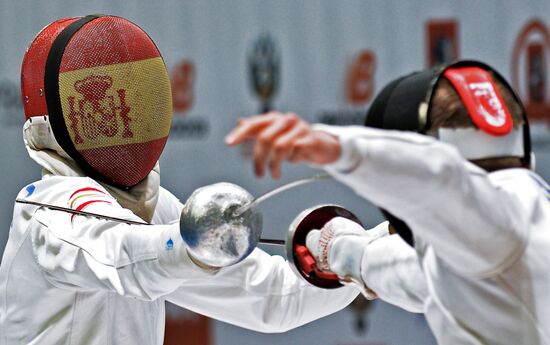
(45, 150)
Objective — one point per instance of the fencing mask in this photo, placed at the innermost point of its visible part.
(405, 104)
(103, 84)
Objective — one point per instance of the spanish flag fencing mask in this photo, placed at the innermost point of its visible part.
(104, 86)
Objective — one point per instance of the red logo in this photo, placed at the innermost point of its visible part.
(530, 69)
(442, 42)
(183, 80)
(97, 111)
(481, 98)
(360, 78)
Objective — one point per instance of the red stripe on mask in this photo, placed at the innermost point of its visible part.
(107, 40)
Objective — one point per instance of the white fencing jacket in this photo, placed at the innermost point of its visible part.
(68, 279)
(483, 239)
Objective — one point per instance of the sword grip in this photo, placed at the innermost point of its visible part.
(309, 266)
(300, 259)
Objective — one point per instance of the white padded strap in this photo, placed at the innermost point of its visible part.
(476, 144)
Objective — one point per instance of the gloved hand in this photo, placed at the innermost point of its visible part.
(340, 245)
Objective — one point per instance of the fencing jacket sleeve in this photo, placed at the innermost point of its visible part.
(261, 292)
(150, 261)
(390, 268)
(473, 225)
(79, 252)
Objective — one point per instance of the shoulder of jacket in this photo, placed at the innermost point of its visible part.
(523, 183)
(516, 176)
(58, 188)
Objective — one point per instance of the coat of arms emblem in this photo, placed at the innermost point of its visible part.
(97, 113)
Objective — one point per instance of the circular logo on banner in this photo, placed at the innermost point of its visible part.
(264, 65)
(530, 69)
(98, 110)
(360, 78)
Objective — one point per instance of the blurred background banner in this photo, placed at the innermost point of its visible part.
(323, 59)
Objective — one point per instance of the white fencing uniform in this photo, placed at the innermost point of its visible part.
(81, 280)
(483, 239)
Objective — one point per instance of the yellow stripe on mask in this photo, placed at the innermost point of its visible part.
(117, 104)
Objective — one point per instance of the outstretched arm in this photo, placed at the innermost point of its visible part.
(384, 265)
(471, 223)
(474, 225)
(86, 253)
(261, 293)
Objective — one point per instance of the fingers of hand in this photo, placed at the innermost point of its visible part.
(249, 128)
(312, 242)
(317, 245)
(267, 137)
(302, 150)
(344, 226)
(284, 145)
(275, 134)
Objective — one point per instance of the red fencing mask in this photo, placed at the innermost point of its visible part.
(103, 84)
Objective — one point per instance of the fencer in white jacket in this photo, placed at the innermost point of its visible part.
(479, 267)
(481, 238)
(98, 110)
(80, 280)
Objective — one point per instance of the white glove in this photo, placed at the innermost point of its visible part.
(340, 245)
